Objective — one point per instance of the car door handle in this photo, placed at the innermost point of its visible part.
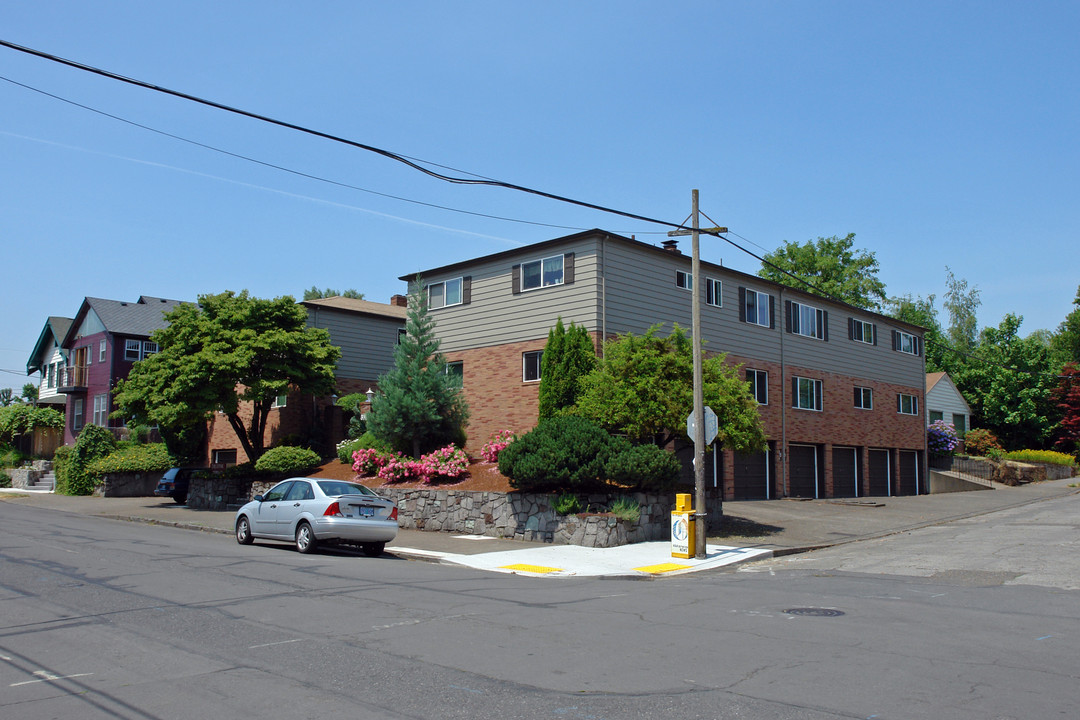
(296, 504)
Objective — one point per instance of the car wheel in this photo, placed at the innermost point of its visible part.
(179, 499)
(243, 531)
(305, 539)
(374, 549)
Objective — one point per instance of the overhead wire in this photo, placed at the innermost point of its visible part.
(416, 164)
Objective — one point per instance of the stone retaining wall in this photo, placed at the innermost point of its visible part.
(522, 516)
(138, 484)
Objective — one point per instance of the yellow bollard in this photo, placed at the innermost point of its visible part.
(682, 528)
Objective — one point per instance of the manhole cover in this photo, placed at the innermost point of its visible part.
(814, 612)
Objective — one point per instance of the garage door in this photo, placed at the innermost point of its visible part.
(803, 471)
(880, 473)
(908, 472)
(754, 476)
(845, 472)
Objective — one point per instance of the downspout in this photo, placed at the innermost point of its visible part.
(603, 295)
(925, 455)
(781, 452)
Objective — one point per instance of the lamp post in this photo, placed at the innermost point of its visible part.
(700, 516)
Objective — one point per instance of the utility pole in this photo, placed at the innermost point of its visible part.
(700, 515)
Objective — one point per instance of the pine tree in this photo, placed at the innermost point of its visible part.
(568, 356)
(418, 407)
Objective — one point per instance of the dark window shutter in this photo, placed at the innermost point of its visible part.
(873, 331)
(466, 290)
(825, 325)
(851, 328)
(858, 397)
(917, 342)
(516, 273)
(772, 313)
(568, 269)
(899, 405)
(742, 304)
(788, 325)
(895, 339)
(794, 392)
(820, 384)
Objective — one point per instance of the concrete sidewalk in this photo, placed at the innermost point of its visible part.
(750, 530)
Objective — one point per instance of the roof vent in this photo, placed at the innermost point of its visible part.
(672, 246)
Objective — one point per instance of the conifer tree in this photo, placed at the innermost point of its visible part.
(418, 407)
(568, 356)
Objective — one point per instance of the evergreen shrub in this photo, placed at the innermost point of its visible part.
(642, 467)
(287, 459)
(560, 453)
(133, 458)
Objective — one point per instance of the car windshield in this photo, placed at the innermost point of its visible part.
(333, 488)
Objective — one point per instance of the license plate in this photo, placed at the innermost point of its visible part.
(367, 511)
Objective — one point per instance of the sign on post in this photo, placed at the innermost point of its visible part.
(711, 425)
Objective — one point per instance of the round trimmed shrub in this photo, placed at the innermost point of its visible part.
(561, 452)
(287, 459)
(643, 467)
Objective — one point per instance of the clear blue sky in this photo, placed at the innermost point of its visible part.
(941, 133)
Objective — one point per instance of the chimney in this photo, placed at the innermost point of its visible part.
(399, 300)
(672, 246)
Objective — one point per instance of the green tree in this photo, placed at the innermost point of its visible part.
(644, 388)
(22, 418)
(226, 350)
(568, 356)
(832, 266)
(1066, 342)
(1008, 383)
(418, 406)
(961, 302)
(29, 393)
(7, 397)
(314, 293)
(1067, 398)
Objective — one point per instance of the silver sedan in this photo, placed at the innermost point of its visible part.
(310, 511)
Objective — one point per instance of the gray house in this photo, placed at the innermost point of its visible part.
(840, 389)
(944, 402)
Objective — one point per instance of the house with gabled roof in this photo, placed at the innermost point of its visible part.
(103, 341)
(840, 389)
(49, 359)
(944, 401)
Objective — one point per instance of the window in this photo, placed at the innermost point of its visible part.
(936, 415)
(50, 377)
(714, 292)
(906, 343)
(959, 422)
(280, 401)
(530, 365)
(759, 385)
(862, 331)
(132, 349)
(88, 353)
(226, 458)
(456, 370)
(149, 348)
(864, 398)
(542, 273)
(101, 410)
(78, 417)
(806, 393)
(445, 293)
(907, 404)
(101, 351)
(807, 320)
(684, 280)
(402, 333)
(756, 307)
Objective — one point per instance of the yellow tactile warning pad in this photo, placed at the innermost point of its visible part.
(661, 568)
(539, 569)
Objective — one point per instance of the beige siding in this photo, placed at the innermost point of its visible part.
(495, 316)
(367, 342)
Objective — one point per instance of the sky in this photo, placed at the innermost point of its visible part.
(943, 134)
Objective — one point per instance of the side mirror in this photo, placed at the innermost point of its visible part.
(258, 498)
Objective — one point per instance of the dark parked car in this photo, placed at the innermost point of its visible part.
(175, 483)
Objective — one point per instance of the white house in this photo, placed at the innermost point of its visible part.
(944, 402)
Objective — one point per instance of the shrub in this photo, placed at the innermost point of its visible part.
(941, 438)
(497, 443)
(5, 480)
(1042, 456)
(72, 469)
(287, 458)
(567, 504)
(346, 448)
(399, 468)
(979, 441)
(626, 508)
(995, 453)
(561, 452)
(448, 462)
(133, 458)
(368, 461)
(642, 467)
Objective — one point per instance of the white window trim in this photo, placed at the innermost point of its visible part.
(101, 410)
(900, 404)
(541, 261)
(864, 328)
(101, 351)
(797, 320)
(761, 304)
(684, 280)
(460, 293)
(817, 395)
(862, 398)
(539, 364)
(280, 401)
(914, 348)
(755, 383)
(716, 287)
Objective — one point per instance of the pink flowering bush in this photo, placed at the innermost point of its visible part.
(492, 448)
(368, 461)
(449, 462)
(400, 469)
